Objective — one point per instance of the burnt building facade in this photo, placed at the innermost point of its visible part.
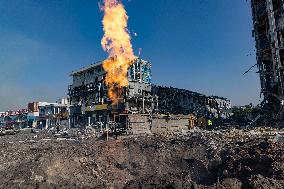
(268, 21)
(141, 100)
(89, 99)
(184, 102)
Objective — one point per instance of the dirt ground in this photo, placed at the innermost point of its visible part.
(199, 159)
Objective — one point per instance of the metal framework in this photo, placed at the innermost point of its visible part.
(268, 21)
(90, 103)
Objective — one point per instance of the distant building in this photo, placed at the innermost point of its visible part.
(219, 106)
(16, 119)
(2, 117)
(45, 115)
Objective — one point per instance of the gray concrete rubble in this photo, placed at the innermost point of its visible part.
(82, 158)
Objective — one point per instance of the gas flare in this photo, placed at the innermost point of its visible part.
(117, 42)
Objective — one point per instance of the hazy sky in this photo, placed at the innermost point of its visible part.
(200, 45)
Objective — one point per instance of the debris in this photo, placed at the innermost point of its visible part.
(195, 159)
(279, 138)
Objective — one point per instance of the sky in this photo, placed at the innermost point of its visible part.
(200, 45)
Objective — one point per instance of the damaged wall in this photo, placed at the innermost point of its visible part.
(268, 21)
(90, 103)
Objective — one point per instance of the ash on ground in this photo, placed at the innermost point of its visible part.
(196, 159)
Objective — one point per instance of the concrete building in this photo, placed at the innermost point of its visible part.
(178, 101)
(268, 20)
(143, 104)
(53, 114)
(219, 106)
(89, 102)
(14, 119)
(44, 114)
(2, 119)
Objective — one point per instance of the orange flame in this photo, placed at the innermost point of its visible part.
(117, 42)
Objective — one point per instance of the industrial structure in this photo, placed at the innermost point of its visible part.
(184, 102)
(90, 103)
(141, 104)
(268, 21)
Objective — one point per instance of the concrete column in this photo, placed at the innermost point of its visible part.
(46, 123)
(143, 102)
(89, 121)
(69, 122)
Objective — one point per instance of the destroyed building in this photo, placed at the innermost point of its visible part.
(181, 101)
(142, 101)
(89, 100)
(268, 21)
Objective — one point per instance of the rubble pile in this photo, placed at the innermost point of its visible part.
(198, 159)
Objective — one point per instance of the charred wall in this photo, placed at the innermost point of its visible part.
(90, 103)
(268, 21)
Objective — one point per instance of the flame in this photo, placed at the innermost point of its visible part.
(117, 42)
